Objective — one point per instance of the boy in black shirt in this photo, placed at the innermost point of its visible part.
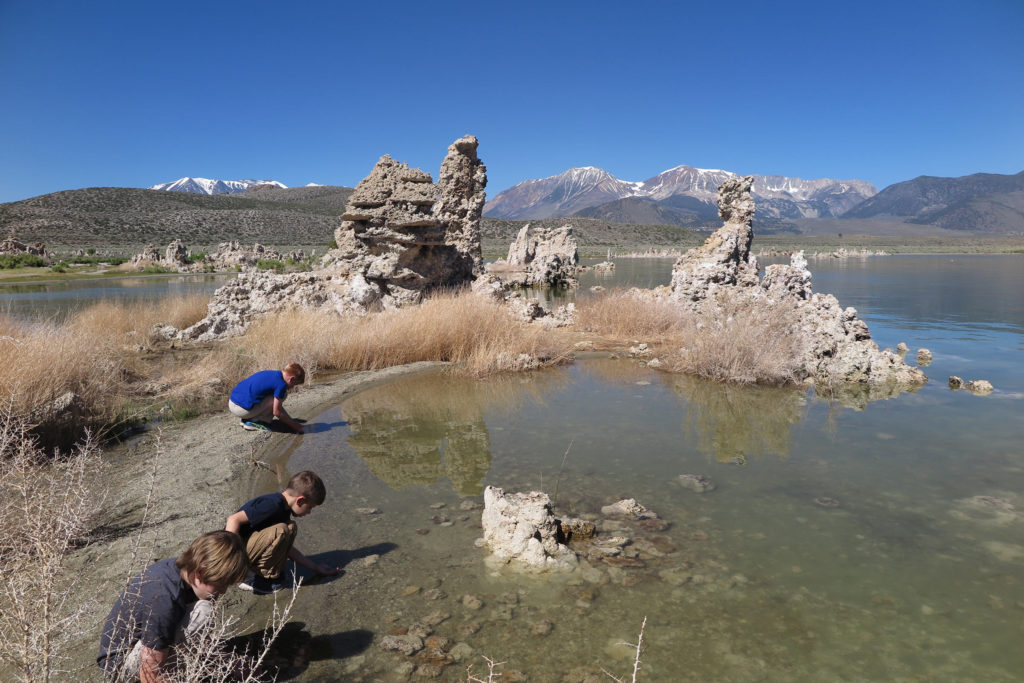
(266, 527)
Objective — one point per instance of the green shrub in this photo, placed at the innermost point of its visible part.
(96, 260)
(90, 251)
(21, 261)
(197, 257)
(156, 270)
(333, 244)
(270, 264)
(59, 267)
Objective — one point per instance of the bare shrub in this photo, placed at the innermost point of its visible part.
(743, 341)
(639, 647)
(48, 508)
(626, 314)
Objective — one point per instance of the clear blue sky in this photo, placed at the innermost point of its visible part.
(135, 93)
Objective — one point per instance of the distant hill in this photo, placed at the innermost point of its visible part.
(129, 217)
(982, 202)
(498, 233)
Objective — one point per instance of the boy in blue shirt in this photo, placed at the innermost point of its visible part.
(266, 527)
(261, 397)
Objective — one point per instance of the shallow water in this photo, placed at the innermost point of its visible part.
(45, 300)
(883, 543)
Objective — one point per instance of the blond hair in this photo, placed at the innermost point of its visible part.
(217, 557)
(295, 370)
(308, 484)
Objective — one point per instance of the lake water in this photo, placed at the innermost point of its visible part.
(43, 300)
(841, 544)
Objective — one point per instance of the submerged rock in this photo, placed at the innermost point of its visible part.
(520, 530)
(698, 483)
(628, 507)
(980, 387)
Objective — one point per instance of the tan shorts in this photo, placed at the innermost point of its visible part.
(264, 410)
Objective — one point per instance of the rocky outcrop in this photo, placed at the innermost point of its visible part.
(394, 246)
(232, 254)
(520, 530)
(725, 259)
(148, 256)
(540, 257)
(722, 276)
(461, 203)
(177, 255)
(13, 247)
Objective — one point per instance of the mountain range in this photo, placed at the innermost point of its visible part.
(207, 186)
(683, 195)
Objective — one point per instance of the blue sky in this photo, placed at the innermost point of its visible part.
(135, 93)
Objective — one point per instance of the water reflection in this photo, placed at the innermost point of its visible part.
(732, 423)
(417, 431)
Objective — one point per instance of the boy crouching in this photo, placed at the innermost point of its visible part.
(266, 527)
(165, 603)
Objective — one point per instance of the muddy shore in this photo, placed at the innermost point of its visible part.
(193, 474)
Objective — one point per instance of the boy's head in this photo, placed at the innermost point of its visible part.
(307, 491)
(294, 374)
(214, 562)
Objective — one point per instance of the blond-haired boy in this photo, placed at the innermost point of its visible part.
(165, 603)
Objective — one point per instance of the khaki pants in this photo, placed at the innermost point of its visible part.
(264, 410)
(197, 616)
(268, 548)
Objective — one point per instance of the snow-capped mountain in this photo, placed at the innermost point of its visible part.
(684, 188)
(207, 186)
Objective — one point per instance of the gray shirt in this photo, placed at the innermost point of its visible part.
(149, 610)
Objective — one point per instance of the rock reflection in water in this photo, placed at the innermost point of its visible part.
(733, 422)
(420, 430)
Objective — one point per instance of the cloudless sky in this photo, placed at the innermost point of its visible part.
(136, 93)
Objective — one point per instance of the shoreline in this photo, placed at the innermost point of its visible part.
(192, 474)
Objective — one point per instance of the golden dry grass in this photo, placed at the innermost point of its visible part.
(629, 315)
(459, 328)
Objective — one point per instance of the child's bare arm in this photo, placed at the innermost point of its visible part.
(235, 521)
(298, 558)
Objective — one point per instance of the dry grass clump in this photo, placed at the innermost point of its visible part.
(743, 341)
(459, 328)
(93, 353)
(630, 315)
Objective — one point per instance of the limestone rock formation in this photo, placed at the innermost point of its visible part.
(544, 257)
(13, 247)
(461, 183)
(725, 257)
(520, 530)
(149, 255)
(394, 246)
(722, 275)
(177, 255)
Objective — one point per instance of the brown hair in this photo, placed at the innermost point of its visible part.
(308, 484)
(296, 371)
(218, 557)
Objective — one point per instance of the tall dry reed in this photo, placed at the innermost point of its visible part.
(629, 315)
(743, 340)
(459, 328)
(94, 353)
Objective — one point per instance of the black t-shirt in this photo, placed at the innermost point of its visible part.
(150, 609)
(264, 511)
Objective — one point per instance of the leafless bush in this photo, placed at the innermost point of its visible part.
(48, 508)
(636, 661)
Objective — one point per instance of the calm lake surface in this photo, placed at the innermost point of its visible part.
(843, 542)
(44, 300)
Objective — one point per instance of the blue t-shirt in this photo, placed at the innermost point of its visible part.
(150, 609)
(253, 389)
(265, 511)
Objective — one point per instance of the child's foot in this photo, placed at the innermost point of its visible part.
(252, 426)
(262, 586)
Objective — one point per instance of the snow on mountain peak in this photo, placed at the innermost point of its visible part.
(209, 186)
